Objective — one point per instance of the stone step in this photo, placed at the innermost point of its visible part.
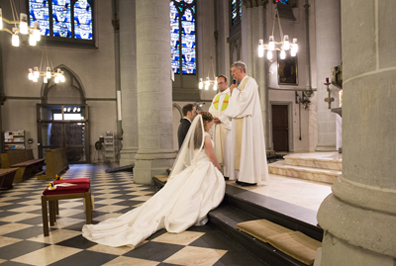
(240, 205)
(322, 160)
(307, 173)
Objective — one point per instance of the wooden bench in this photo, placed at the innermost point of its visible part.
(7, 177)
(24, 160)
(81, 189)
(56, 162)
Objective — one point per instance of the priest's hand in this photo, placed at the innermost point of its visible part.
(232, 87)
(216, 120)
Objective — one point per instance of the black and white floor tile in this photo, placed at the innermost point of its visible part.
(22, 241)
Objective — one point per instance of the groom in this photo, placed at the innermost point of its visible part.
(189, 112)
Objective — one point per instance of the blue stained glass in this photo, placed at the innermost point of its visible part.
(82, 20)
(61, 18)
(183, 11)
(285, 2)
(38, 11)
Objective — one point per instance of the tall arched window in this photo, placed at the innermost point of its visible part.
(67, 19)
(236, 11)
(182, 22)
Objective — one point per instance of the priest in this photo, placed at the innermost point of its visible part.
(221, 132)
(244, 110)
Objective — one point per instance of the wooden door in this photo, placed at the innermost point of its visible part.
(280, 127)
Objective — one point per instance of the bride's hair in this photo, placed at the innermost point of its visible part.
(206, 118)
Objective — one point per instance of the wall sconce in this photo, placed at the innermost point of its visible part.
(304, 100)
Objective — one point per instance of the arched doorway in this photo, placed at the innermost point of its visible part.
(62, 118)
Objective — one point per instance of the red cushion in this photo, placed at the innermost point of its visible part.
(79, 188)
(72, 181)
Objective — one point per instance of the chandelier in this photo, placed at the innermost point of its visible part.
(208, 81)
(282, 46)
(21, 27)
(36, 72)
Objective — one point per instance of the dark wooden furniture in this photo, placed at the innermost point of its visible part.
(24, 161)
(81, 189)
(56, 162)
(7, 177)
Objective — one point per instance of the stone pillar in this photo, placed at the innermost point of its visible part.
(328, 50)
(359, 218)
(253, 22)
(128, 81)
(154, 92)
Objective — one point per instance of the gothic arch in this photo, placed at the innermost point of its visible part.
(69, 92)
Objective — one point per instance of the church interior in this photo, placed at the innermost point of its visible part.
(101, 85)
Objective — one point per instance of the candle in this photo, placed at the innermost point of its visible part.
(327, 80)
(340, 98)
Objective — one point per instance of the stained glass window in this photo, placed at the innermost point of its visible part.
(285, 2)
(236, 11)
(183, 39)
(63, 18)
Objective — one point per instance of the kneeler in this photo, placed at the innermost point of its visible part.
(80, 190)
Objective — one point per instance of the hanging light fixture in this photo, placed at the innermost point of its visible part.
(283, 46)
(21, 26)
(35, 73)
(208, 81)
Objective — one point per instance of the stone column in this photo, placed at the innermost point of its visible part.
(154, 92)
(359, 218)
(128, 81)
(328, 50)
(253, 22)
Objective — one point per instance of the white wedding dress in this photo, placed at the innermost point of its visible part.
(184, 201)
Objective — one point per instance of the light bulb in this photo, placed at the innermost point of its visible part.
(36, 73)
(30, 75)
(261, 48)
(271, 44)
(45, 80)
(56, 79)
(62, 77)
(207, 82)
(269, 55)
(36, 31)
(15, 40)
(32, 40)
(282, 54)
(215, 86)
(293, 52)
(286, 44)
(295, 46)
(206, 87)
(23, 25)
(35, 79)
(200, 85)
(48, 72)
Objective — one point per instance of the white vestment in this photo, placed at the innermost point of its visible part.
(246, 104)
(222, 135)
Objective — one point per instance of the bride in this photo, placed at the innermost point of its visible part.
(195, 186)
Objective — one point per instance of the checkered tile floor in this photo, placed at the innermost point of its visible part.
(22, 241)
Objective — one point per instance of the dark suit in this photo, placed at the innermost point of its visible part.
(182, 130)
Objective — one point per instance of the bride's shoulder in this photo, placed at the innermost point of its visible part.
(206, 134)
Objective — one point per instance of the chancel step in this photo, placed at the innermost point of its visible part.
(321, 160)
(302, 172)
(240, 205)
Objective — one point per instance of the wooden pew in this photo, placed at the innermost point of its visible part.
(24, 161)
(56, 161)
(7, 177)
